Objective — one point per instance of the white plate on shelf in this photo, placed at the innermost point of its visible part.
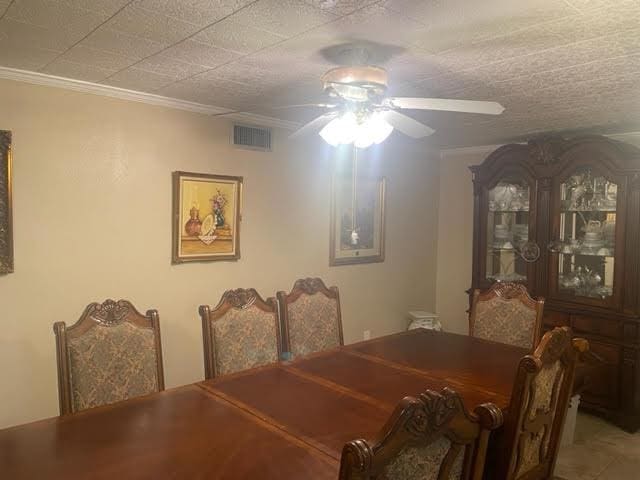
(208, 225)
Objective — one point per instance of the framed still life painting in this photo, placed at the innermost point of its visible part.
(6, 227)
(206, 217)
(357, 220)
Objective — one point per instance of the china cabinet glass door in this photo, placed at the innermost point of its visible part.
(586, 245)
(508, 232)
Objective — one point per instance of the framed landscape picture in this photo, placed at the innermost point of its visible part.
(6, 224)
(206, 217)
(357, 220)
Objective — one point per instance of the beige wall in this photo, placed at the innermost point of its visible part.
(92, 203)
(455, 235)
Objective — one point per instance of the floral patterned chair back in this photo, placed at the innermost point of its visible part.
(506, 313)
(541, 392)
(310, 317)
(431, 437)
(242, 332)
(110, 354)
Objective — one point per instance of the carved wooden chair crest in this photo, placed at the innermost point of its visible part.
(241, 332)
(431, 437)
(310, 317)
(110, 354)
(506, 313)
(533, 426)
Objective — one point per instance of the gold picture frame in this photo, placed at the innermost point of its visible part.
(368, 243)
(206, 217)
(6, 215)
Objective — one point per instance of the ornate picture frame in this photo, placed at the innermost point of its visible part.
(6, 216)
(206, 217)
(367, 244)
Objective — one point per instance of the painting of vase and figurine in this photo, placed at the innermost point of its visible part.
(206, 217)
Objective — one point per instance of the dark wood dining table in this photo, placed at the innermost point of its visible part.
(288, 420)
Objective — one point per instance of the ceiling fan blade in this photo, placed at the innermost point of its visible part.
(314, 125)
(303, 105)
(450, 105)
(406, 124)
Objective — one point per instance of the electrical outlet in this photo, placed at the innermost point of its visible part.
(366, 334)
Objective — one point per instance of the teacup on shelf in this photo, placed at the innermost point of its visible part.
(571, 246)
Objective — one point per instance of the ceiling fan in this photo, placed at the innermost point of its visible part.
(362, 114)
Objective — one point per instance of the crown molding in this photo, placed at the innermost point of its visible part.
(36, 78)
(628, 137)
(262, 120)
(479, 149)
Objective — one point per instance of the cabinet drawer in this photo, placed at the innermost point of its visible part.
(631, 332)
(603, 327)
(555, 319)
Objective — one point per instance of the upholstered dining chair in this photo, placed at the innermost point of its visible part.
(241, 332)
(429, 437)
(528, 445)
(310, 317)
(506, 313)
(110, 354)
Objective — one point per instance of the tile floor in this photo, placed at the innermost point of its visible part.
(601, 451)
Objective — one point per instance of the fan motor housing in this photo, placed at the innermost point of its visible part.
(357, 83)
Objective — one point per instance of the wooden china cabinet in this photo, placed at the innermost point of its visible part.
(563, 217)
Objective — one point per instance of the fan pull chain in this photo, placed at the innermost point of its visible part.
(354, 198)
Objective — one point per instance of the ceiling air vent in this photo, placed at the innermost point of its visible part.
(254, 138)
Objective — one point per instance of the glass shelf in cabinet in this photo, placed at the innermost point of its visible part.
(609, 254)
(502, 249)
(508, 277)
(599, 292)
(514, 277)
(591, 210)
(497, 210)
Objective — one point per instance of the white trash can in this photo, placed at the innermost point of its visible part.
(569, 430)
(420, 319)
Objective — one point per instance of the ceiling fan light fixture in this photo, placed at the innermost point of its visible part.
(346, 129)
(378, 127)
(374, 129)
(363, 141)
(341, 130)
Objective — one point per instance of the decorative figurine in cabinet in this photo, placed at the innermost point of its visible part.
(562, 216)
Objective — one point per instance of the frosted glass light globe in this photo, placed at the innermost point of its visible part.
(345, 130)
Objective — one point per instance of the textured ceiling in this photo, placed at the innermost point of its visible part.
(560, 65)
